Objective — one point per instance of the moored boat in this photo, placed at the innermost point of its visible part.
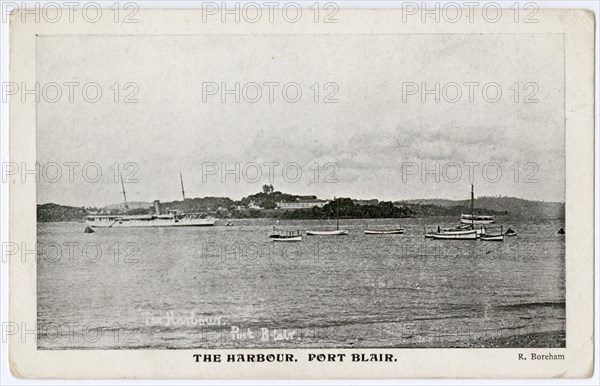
(327, 233)
(456, 231)
(473, 219)
(285, 235)
(397, 231)
(173, 218)
(499, 237)
(460, 231)
(336, 232)
(476, 219)
(467, 229)
(287, 238)
(496, 234)
(471, 235)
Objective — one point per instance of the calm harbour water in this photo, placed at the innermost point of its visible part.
(233, 287)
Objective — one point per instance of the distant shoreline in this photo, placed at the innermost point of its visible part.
(264, 206)
(236, 221)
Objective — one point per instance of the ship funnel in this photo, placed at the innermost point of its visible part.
(156, 207)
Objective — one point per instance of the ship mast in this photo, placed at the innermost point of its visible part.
(472, 213)
(182, 190)
(124, 195)
(337, 213)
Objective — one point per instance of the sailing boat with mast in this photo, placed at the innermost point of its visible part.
(337, 231)
(462, 232)
(182, 190)
(124, 194)
(472, 219)
(173, 217)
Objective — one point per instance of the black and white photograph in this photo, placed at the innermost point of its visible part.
(351, 211)
(307, 185)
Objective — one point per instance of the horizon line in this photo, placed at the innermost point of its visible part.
(329, 199)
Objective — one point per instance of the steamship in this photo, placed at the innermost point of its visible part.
(173, 218)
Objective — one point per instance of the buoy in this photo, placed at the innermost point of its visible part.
(88, 229)
(561, 231)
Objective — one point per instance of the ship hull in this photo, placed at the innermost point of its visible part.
(384, 232)
(463, 232)
(492, 238)
(445, 236)
(287, 239)
(327, 233)
(477, 222)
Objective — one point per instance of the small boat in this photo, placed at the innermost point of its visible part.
(467, 229)
(461, 231)
(561, 231)
(495, 235)
(397, 231)
(457, 231)
(88, 229)
(454, 236)
(287, 238)
(510, 232)
(285, 235)
(428, 234)
(337, 232)
(499, 237)
(473, 219)
(327, 233)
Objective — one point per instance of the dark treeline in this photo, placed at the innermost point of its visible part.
(55, 212)
(348, 209)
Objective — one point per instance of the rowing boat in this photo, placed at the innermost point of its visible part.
(287, 239)
(499, 237)
(384, 231)
(454, 236)
(327, 233)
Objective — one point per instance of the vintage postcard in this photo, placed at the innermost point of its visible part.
(253, 190)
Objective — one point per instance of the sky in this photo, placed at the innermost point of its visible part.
(377, 139)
